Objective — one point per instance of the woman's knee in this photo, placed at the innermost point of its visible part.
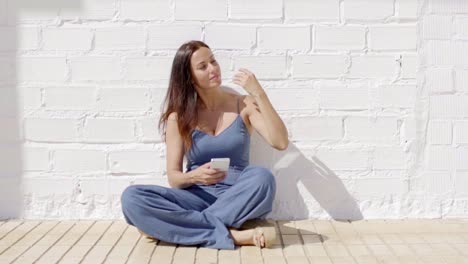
(130, 195)
(262, 177)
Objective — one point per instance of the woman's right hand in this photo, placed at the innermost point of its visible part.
(206, 175)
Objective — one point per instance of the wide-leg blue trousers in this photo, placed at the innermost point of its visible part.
(201, 214)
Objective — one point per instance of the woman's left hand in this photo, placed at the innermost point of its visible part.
(248, 81)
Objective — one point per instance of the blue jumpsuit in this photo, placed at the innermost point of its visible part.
(201, 214)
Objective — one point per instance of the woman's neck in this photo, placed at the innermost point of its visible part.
(211, 101)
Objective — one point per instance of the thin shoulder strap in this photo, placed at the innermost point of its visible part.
(238, 105)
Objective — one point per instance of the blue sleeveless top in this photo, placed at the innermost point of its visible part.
(233, 142)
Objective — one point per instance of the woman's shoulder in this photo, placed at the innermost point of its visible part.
(172, 116)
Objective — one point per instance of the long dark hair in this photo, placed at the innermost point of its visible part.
(181, 96)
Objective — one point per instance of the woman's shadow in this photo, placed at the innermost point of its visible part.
(306, 188)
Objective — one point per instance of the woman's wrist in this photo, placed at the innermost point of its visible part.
(190, 177)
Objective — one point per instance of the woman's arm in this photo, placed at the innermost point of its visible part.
(175, 155)
(262, 115)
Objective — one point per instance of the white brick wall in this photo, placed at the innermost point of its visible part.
(260, 9)
(67, 38)
(368, 9)
(145, 9)
(373, 93)
(312, 10)
(340, 38)
(119, 38)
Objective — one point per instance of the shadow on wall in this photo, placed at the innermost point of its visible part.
(300, 181)
(304, 184)
(297, 176)
(11, 107)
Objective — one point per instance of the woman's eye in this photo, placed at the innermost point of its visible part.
(214, 62)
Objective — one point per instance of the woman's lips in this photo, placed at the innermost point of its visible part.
(214, 77)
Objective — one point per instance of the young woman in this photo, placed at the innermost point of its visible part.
(201, 121)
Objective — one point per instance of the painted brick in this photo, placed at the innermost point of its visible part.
(172, 36)
(396, 96)
(336, 97)
(344, 159)
(293, 99)
(440, 157)
(392, 38)
(78, 98)
(67, 38)
(264, 67)
(274, 38)
(157, 98)
(145, 9)
(409, 129)
(446, 53)
(409, 66)
(109, 130)
(27, 12)
(461, 132)
(42, 69)
(90, 10)
(95, 68)
(123, 99)
(438, 182)
(35, 159)
(461, 27)
(384, 129)
(368, 9)
(135, 161)
(447, 106)
(201, 10)
(44, 187)
(226, 36)
(120, 38)
(312, 10)
(407, 9)
(340, 38)
(461, 80)
(373, 66)
(147, 68)
(31, 98)
(460, 158)
(389, 158)
(51, 130)
(439, 80)
(440, 132)
(318, 66)
(449, 6)
(437, 27)
(461, 184)
(75, 160)
(149, 130)
(317, 128)
(378, 187)
(260, 9)
(19, 38)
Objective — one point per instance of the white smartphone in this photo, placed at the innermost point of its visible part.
(221, 164)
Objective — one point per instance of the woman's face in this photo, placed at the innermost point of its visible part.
(205, 69)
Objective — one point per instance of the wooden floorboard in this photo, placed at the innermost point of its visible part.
(305, 241)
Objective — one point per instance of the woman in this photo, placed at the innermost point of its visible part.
(201, 121)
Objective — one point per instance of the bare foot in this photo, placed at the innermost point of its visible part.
(246, 237)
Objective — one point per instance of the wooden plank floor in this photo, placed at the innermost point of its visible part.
(305, 241)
